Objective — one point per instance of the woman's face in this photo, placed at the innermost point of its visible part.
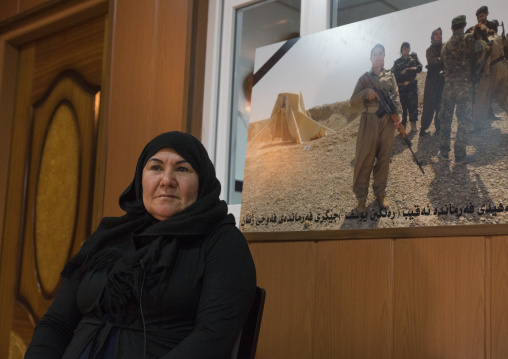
(170, 184)
(378, 58)
(405, 51)
(438, 36)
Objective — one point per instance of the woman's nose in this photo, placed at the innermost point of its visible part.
(168, 178)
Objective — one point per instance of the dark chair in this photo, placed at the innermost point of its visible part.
(245, 347)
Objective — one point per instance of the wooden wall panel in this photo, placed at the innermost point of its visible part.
(147, 84)
(171, 72)
(60, 51)
(287, 271)
(499, 296)
(196, 65)
(8, 65)
(353, 300)
(439, 298)
(10, 243)
(25, 5)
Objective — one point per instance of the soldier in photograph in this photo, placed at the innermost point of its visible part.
(405, 69)
(481, 16)
(460, 54)
(434, 83)
(492, 78)
(375, 135)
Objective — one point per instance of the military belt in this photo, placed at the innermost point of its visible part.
(370, 109)
(405, 83)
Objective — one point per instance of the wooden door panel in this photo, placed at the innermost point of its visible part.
(61, 168)
(52, 167)
(80, 49)
(15, 322)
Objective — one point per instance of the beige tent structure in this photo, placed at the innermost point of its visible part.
(289, 120)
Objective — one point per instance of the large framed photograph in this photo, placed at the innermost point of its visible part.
(304, 168)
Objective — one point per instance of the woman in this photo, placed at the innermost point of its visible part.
(375, 135)
(172, 278)
(434, 83)
(405, 69)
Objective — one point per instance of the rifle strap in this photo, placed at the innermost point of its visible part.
(363, 80)
(500, 58)
(481, 66)
(366, 79)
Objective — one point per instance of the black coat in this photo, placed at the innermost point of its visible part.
(197, 313)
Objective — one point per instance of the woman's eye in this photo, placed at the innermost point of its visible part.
(156, 168)
(182, 169)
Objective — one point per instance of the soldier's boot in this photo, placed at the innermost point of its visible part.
(491, 116)
(443, 155)
(463, 158)
(414, 127)
(383, 201)
(361, 206)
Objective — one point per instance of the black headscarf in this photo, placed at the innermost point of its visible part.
(99, 252)
(200, 215)
(432, 41)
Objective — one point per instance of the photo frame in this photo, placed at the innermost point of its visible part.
(304, 183)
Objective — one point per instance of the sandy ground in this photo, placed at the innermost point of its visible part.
(294, 187)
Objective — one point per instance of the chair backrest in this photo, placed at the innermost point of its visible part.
(248, 340)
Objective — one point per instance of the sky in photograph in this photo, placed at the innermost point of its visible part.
(325, 66)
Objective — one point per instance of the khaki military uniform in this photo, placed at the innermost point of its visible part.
(493, 83)
(459, 57)
(375, 137)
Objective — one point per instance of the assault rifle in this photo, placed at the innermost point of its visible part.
(480, 67)
(388, 106)
(477, 72)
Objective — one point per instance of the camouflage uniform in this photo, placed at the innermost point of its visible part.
(375, 137)
(408, 86)
(459, 55)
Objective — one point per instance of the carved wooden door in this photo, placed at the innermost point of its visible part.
(52, 170)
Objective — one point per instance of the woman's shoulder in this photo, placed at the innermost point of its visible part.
(433, 49)
(388, 74)
(399, 60)
(227, 227)
(226, 233)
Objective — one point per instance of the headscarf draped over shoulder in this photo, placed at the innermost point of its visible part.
(200, 218)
